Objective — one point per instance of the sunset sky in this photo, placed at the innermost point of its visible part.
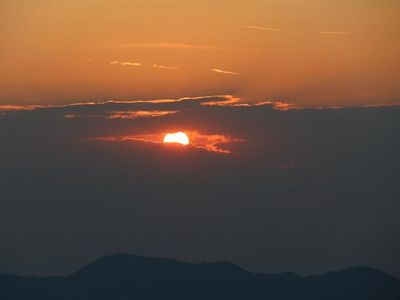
(307, 52)
(288, 113)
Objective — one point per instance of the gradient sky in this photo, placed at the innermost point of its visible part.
(292, 165)
(308, 52)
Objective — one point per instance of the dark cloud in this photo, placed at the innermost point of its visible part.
(308, 190)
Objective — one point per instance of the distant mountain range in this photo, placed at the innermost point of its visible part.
(125, 276)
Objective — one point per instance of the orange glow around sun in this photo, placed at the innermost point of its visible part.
(179, 138)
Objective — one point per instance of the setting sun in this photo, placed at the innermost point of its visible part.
(179, 137)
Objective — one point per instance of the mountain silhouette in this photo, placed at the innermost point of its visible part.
(125, 276)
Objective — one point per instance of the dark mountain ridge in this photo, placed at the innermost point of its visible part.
(125, 276)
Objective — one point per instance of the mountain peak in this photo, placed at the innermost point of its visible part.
(126, 276)
(141, 267)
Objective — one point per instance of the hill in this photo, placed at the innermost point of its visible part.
(125, 276)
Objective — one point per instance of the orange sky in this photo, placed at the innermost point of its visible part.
(307, 52)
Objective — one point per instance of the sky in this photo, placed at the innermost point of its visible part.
(266, 186)
(307, 52)
(291, 108)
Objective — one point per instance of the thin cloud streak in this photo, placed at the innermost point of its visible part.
(281, 30)
(207, 100)
(167, 46)
(165, 67)
(237, 102)
(129, 115)
(335, 32)
(264, 28)
(206, 142)
(4, 108)
(11, 107)
(224, 72)
(126, 63)
(124, 115)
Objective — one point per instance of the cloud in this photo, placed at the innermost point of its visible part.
(165, 67)
(335, 32)
(264, 28)
(224, 72)
(135, 64)
(213, 142)
(281, 30)
(167, 46)
(4, 108)
(226, 101)
(207, 142)
(131, 109)
(105, 105)
(161, 105)
(126, 63)
(125, 115)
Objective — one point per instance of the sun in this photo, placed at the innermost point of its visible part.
(178, 137)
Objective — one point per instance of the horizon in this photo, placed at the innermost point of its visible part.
(199, 262)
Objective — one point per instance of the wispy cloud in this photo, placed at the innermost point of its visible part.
(218, 143)
(165, 67)
(264, 28)
(227, 100)
(124, 115)
(224, 72)
(272, 29)
(132, 109)
(166, 46)
(126, 63)
(4, 108)
(335, 32)
(232, 101)
(127, 115)
(200, 99)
